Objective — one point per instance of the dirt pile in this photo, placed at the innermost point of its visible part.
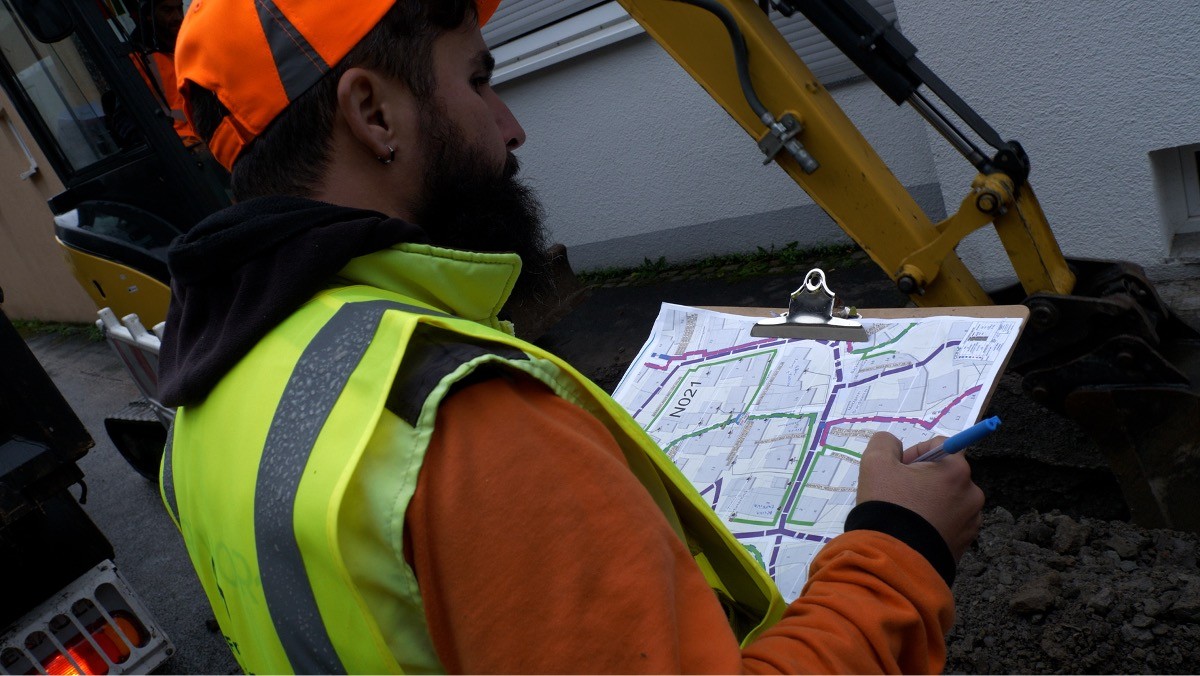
(1049, 593)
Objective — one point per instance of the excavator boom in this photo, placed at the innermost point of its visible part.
(1100, 344)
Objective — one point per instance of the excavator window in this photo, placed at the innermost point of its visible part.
(58, 81)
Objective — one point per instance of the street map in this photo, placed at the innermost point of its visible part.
(771, 430)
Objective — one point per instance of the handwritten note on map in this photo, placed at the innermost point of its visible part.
(770, 430)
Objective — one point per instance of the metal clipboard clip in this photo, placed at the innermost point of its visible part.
(810, 315)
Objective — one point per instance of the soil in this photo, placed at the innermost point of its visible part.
(1059, 580)
(1051, 593)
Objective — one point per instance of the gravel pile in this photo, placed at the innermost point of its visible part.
(1050, 593)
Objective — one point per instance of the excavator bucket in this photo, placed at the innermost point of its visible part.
(1117, 360)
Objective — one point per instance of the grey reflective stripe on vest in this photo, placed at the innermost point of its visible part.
(313, 388)
(299, 65)
(168, 476)
(431, 355)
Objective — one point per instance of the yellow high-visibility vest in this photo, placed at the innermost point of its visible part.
(290, 481)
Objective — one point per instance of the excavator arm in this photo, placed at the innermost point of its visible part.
(734, 51)
(1100, 344)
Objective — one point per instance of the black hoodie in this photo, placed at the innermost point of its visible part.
(243, 270)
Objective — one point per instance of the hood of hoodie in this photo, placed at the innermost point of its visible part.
(242, 271)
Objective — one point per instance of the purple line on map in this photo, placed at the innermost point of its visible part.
(710, 354)
(795, 490)
(661, 385)
(938, 351)
(703, 355)
(716, 488)
(755, 534)
(864, 381)
(913, 421)
(774, 556)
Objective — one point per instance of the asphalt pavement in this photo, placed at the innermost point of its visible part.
(127, 508)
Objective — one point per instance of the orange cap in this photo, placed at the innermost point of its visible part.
(257, 56)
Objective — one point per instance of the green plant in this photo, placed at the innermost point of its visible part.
(29, 328)
(726, 266)
(649, 267)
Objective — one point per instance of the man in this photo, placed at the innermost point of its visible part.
(370, 472)
(156, 29)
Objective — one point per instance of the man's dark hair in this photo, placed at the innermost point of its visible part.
(292, 155)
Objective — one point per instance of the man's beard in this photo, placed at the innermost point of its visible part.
(468, 204)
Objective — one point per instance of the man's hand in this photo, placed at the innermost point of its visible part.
(941, 491)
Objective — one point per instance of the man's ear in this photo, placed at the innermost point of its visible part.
(379, 111)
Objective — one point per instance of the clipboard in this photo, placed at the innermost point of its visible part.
(980, 312)
(749, 420)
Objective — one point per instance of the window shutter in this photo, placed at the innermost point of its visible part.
(515, 18)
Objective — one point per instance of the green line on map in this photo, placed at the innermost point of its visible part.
(876, 347)
(757, 555)
(800, 493)
(847, 451)
(686, 376)
(730, 421)
(703, 430)
(808, 475)
(799, 463)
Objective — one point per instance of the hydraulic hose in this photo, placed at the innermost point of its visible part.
(781, 134)
(741, 54)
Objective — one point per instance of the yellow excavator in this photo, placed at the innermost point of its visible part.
(1100, 347)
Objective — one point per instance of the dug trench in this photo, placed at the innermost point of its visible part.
(1059, 581)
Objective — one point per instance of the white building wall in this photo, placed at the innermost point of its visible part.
(1090, 89)
(634, 161)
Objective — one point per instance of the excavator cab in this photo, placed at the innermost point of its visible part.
(130, 185)
(74, 73)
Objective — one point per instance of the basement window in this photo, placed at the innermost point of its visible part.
(1177, 172)
(1189, 161)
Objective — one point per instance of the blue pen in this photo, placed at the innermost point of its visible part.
(963, 439)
